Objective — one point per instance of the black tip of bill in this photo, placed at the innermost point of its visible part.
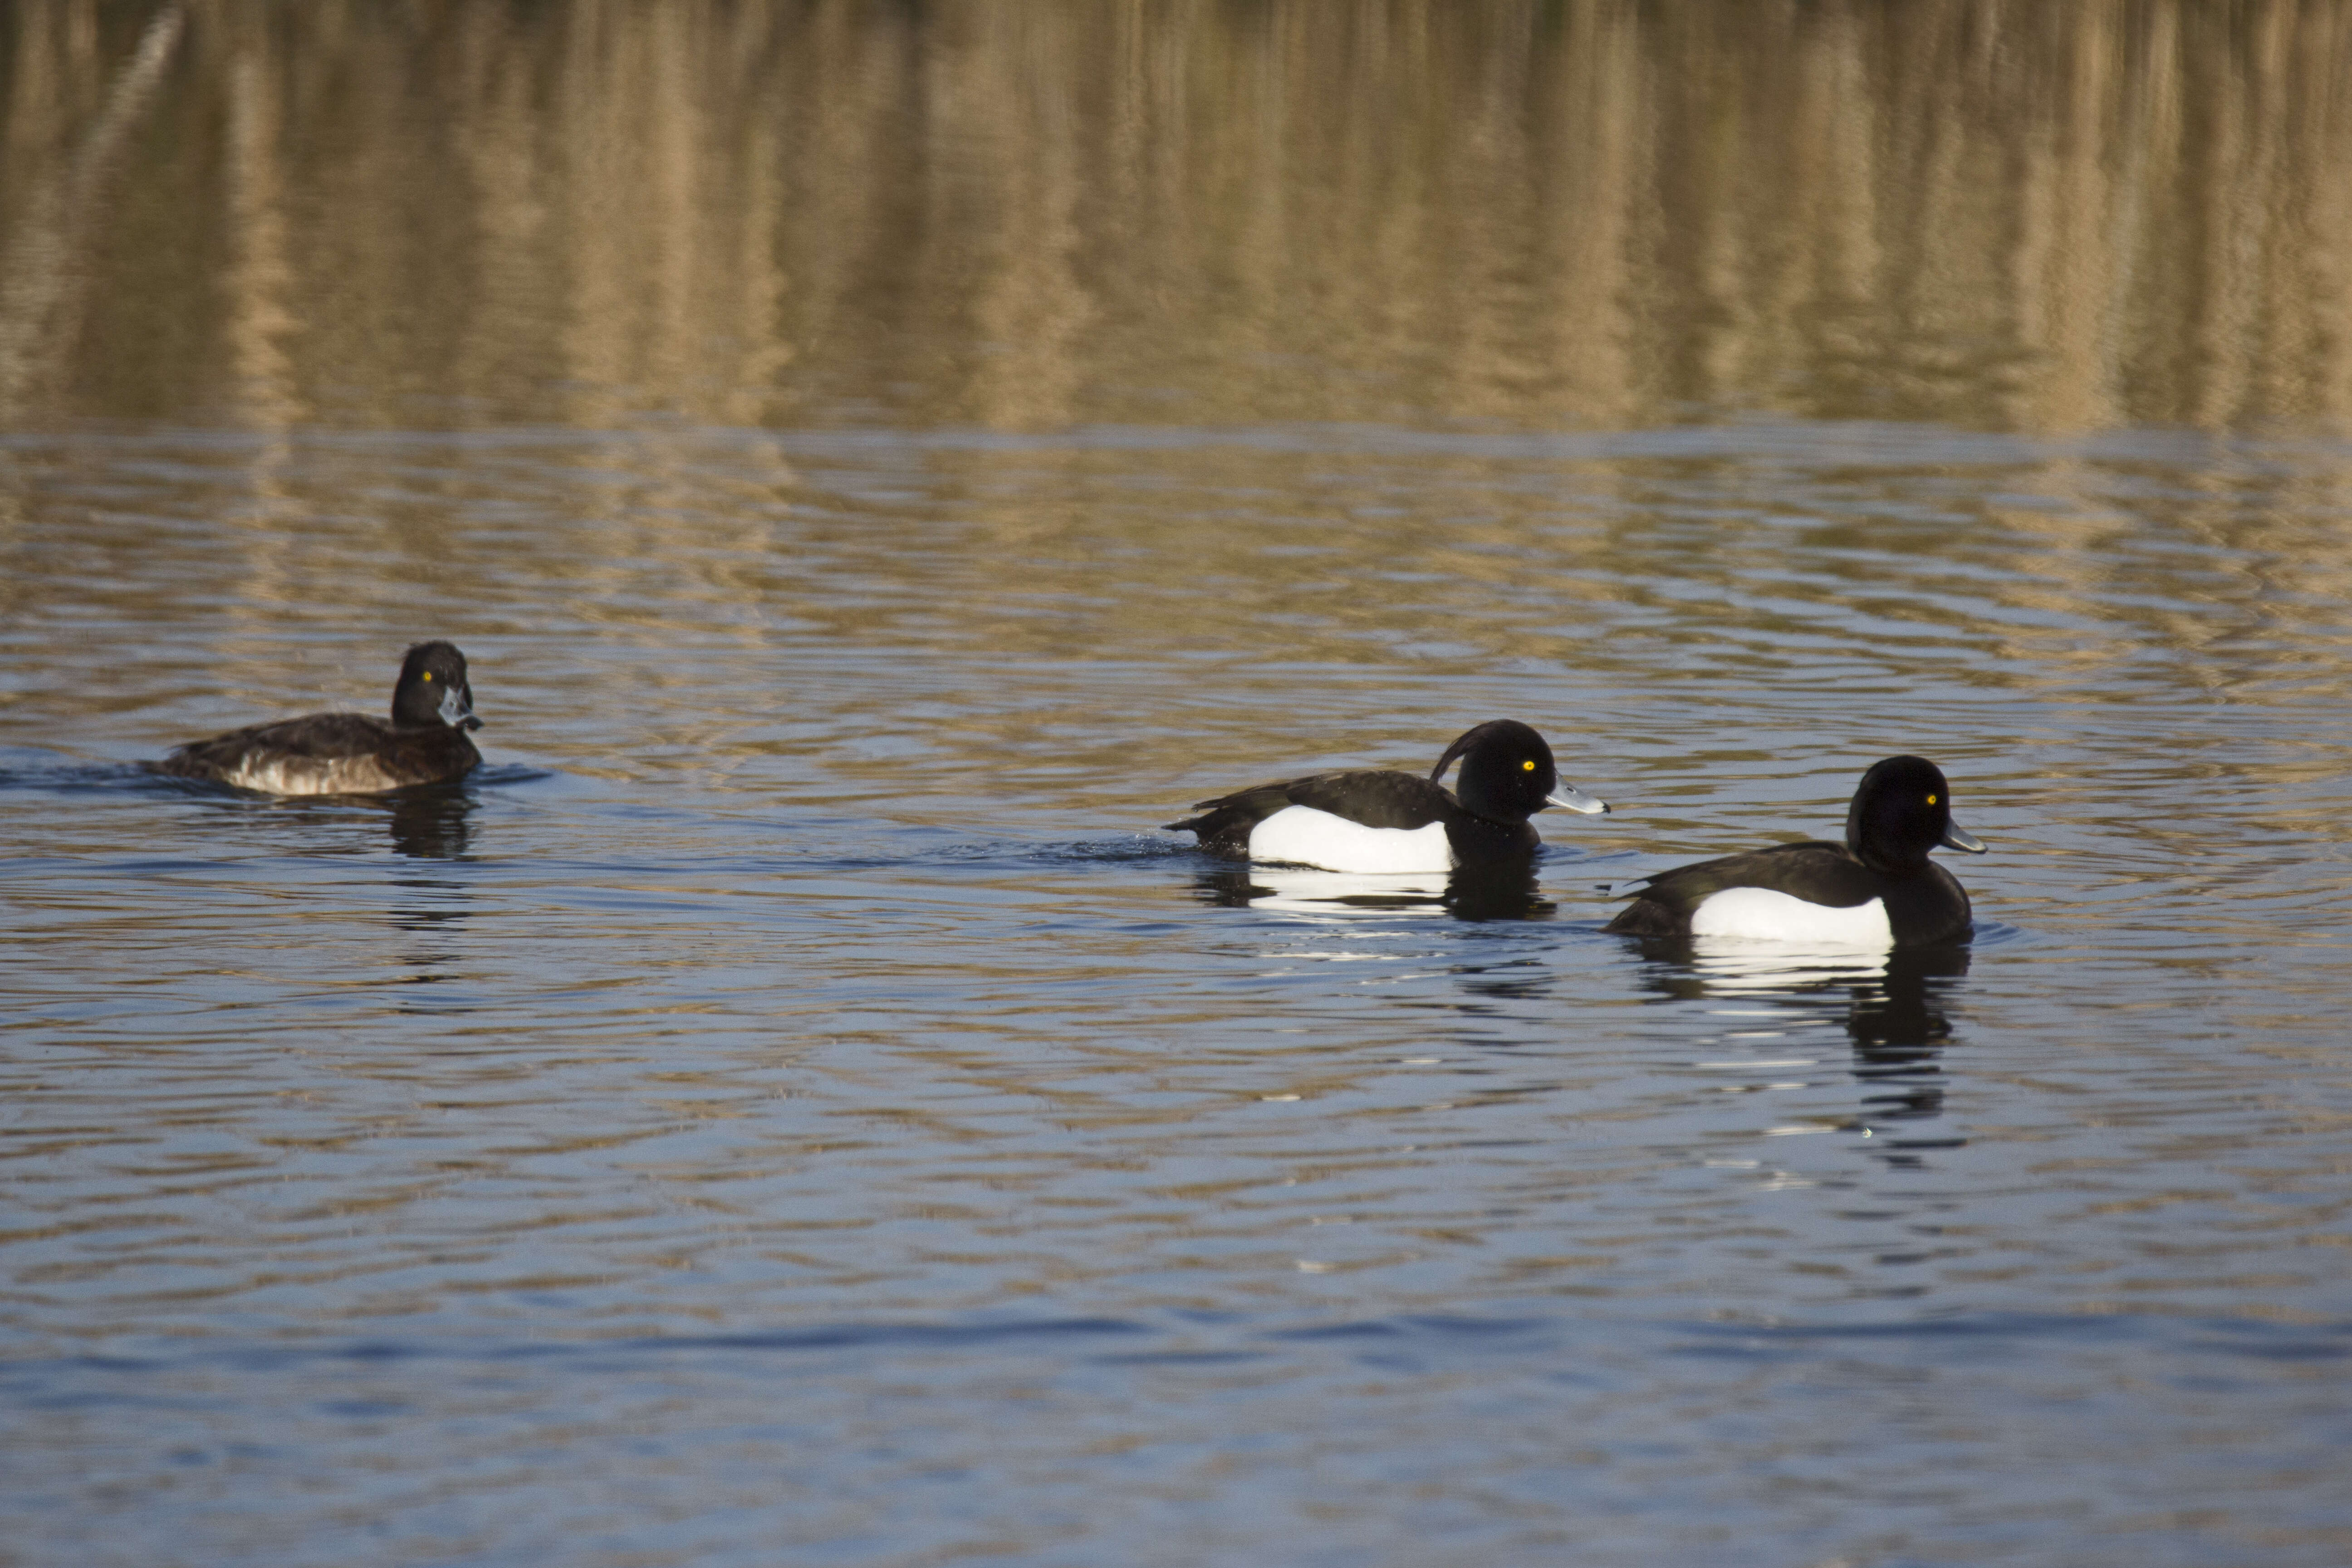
(456, 711)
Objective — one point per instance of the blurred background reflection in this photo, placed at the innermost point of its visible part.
(2022, 217)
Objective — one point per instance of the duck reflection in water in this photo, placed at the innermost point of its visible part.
(425, 822)
(1897, 1007)
(431, 822)
(429, 828)
(1493, 892)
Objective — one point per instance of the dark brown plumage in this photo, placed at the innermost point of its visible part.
(352, 754)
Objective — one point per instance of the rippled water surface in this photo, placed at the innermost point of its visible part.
(794, 1104)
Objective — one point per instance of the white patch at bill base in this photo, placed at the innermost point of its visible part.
(1759, 914)
(1306, 836)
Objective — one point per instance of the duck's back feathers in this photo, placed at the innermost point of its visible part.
(1815, 872)
(1371, 797)
(327, 754)
(1798, 891)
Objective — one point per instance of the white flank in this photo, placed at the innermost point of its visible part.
(1304, 837)
(1759, 914)
(312, 775)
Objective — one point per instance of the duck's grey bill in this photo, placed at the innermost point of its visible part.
(457, 712)
(1576, 799)
(1956, 838)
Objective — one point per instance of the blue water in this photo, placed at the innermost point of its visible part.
(793, 1105)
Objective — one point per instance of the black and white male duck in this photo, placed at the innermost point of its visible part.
(1877, 890)
(352, 754)
(1382, 821)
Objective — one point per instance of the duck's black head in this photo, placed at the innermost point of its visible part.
(1507, 773)
(433, 689)
(1903, 809)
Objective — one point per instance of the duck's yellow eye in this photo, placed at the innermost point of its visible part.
(1529, 767)
(1931, 800)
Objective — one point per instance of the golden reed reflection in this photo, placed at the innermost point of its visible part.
(2022, 215)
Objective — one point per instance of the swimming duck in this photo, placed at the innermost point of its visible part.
(1380, 820)
(352, 754)
(1877, 889)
